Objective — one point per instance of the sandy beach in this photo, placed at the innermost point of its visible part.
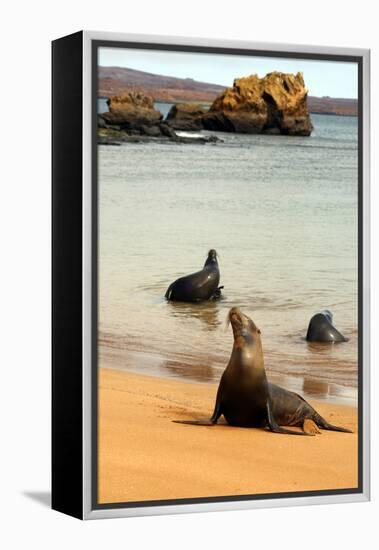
(143, 455)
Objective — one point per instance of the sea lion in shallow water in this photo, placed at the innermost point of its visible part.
(321, 329)
(247, 399)
(199, 286)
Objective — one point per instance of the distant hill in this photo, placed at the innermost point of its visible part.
(333, 106)
(118, 80)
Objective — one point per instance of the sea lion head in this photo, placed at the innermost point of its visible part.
(212, 257)
(243, 326)
(328, 314)
(247, 347)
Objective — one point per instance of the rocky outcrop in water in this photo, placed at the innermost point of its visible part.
(186, 116)
(132, 118)
(132, 111)
(275, 104)
(107, 136)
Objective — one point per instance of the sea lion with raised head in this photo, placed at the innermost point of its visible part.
(245, 397)
(321, 329)
(199, 286)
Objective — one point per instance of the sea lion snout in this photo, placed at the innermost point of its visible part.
(235, 316)
(241, 323)
(212, 255)
(328, 314)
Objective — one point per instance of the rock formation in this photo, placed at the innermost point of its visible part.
(132, 111)
(132, 118)
(186, 116)
(275, 104)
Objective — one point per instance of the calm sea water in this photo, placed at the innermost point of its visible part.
(282, 214)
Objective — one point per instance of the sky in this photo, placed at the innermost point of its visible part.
(322, 78)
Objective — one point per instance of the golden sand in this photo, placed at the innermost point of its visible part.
(143, 455)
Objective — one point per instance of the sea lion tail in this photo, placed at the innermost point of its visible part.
(323, 424)
(205, 422)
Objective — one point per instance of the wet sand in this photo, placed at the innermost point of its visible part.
(205, 367)
(143, 455)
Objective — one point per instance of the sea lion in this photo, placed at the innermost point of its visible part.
(247, 399)
(321, 329)
(199, 286)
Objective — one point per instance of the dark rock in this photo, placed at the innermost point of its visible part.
(234, 122)
(101, 122)
(167, 131)
(152, 131)
(102, 140)
(296, 126)
(132, 111)
(185, 116)
(213, 139)
(161, 133)
(272, 131)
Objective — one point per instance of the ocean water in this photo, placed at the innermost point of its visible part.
(282, 214)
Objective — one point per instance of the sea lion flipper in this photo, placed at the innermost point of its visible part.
(274, 426)
(279, 430)
(205, 422)
(310, 427)
(324, 425)
(217, 410)
(217, 293)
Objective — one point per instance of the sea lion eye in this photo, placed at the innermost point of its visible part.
(259, 331)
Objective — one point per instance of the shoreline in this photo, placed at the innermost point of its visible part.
(313, 110)
(187, 370)
(143, 455)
